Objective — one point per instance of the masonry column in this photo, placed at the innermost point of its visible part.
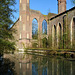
(61, 6)
(24, 21)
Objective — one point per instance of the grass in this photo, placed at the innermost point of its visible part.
(50, 49)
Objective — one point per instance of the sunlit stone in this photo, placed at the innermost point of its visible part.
(20, 1)
(27, 1)
(27, 18)
(20, 35)
(24, 6)
(24, 27)
(20, 18)
(27, 35)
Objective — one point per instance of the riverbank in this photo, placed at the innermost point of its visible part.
(68, 53)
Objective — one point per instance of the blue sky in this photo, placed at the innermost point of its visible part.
(43, 6)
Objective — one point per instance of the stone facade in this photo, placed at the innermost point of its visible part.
(55, 25)
(62, 25)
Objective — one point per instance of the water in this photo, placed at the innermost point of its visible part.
(26, 64)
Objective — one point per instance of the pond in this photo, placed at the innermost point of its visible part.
(27, 64)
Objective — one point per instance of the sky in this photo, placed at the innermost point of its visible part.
(44, 6)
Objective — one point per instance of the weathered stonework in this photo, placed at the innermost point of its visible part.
(55, 25)
(61, 6)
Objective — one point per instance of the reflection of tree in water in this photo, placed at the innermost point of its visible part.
(8, 68)
(44, 65)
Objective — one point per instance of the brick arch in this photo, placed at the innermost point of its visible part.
(59, 34)
(45, 20)
(54, 33)
(35, 18)
(41, 20)
(58, 27)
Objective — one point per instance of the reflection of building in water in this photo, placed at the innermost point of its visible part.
(27, 65)
(53, 66)
(26, 68)
(23, 66)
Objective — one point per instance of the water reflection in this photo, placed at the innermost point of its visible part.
(42, 65)
(7, 67)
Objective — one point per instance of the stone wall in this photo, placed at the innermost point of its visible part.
(55, 26)
(64, 20)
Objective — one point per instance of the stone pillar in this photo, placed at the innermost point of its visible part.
(61, 6)
(24, 22)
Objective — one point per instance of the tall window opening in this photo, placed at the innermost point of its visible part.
(60, 36)
(60, 31)
(74, 27)
(55, 36)
(44, 27)
(35, 29)
(54, 33)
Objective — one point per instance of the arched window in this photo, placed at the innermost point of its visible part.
(44, 27)
(60, 31)
(54, 33)
(59, 36)
(74, 28)
(35, 29)
(54, 40)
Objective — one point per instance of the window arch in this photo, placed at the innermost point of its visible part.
(73, 32)
(60, 31)
(74, 28)
(59, 35)
(54, 36)
(35, 29)
(44, 27)
(54, 32)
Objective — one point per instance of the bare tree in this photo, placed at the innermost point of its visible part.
(73, 1)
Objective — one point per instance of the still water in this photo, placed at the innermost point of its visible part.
(26, 64)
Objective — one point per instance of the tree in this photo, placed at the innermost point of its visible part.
(49, 41)
(6, 33)
(73, 1)
(45, 43)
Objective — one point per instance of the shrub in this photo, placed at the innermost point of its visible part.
(34, 45)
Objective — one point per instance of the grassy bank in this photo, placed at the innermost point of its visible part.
(50, 49)
(56, 52)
